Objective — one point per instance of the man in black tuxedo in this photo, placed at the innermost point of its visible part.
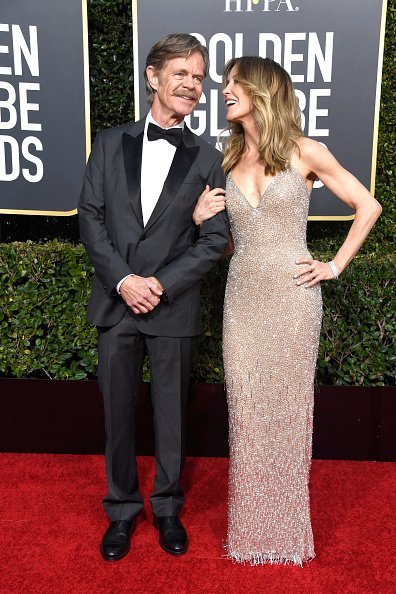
(140, 188)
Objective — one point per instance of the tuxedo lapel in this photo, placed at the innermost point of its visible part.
(185, 156)
(132, 150)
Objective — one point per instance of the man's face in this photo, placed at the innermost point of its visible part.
(178, 88)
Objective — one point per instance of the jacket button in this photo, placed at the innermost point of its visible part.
(143, 237)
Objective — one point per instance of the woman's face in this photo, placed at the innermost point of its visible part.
(238, 104)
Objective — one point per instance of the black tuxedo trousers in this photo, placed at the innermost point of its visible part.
(121, 353)
(171, 248)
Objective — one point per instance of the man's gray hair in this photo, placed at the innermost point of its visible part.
(176, 45)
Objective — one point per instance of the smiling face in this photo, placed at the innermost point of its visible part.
(238, 104)
(178, 88)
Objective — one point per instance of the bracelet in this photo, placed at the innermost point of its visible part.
(334, 269)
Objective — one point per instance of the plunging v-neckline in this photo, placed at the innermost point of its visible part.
(275, 177)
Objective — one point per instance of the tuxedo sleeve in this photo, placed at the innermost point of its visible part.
(109, 265)
(188, 269)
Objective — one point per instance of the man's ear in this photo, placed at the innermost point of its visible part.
(152, 76)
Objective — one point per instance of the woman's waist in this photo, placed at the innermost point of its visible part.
(268, 263)
(270, 253)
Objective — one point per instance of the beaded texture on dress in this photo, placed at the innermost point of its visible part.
(270, 342)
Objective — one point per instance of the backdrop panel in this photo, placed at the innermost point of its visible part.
(333, 51)
(44, 105)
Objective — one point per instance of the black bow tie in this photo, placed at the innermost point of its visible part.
(172, 135)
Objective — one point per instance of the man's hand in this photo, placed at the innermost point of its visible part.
(154, 285)
(141, 294)
(209, 204)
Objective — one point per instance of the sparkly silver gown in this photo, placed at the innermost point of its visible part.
(270, 341)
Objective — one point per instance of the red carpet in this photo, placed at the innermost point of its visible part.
(52, 522)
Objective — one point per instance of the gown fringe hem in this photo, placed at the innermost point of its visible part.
(270, 558)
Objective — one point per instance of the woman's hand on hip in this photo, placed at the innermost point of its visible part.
(312, 272)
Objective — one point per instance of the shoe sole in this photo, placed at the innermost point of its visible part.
(114, 559)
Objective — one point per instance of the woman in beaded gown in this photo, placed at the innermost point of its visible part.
(273, 307)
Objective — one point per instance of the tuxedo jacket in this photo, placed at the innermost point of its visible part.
(170, 246)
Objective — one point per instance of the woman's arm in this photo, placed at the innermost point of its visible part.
(229, 249)
(316, 159)
(209, 204)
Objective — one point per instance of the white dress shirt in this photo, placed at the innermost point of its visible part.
(157, 157)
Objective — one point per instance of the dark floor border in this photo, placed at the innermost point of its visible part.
(351, 423)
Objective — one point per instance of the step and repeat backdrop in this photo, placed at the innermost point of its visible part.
(332, 50)
(44, 105)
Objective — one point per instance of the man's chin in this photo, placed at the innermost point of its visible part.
(186, 107)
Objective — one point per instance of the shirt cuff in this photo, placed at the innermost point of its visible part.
(118, 287)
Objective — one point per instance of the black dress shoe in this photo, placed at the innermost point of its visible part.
(115, 543)
(172, 535)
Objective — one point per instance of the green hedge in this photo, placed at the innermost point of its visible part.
(385, 187)
(43, 293)
(43, 333)
(110, 62)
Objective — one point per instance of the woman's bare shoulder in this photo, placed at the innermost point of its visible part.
(313, 154)
(309, 147)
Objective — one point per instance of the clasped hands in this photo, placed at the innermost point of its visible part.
(141, 293)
